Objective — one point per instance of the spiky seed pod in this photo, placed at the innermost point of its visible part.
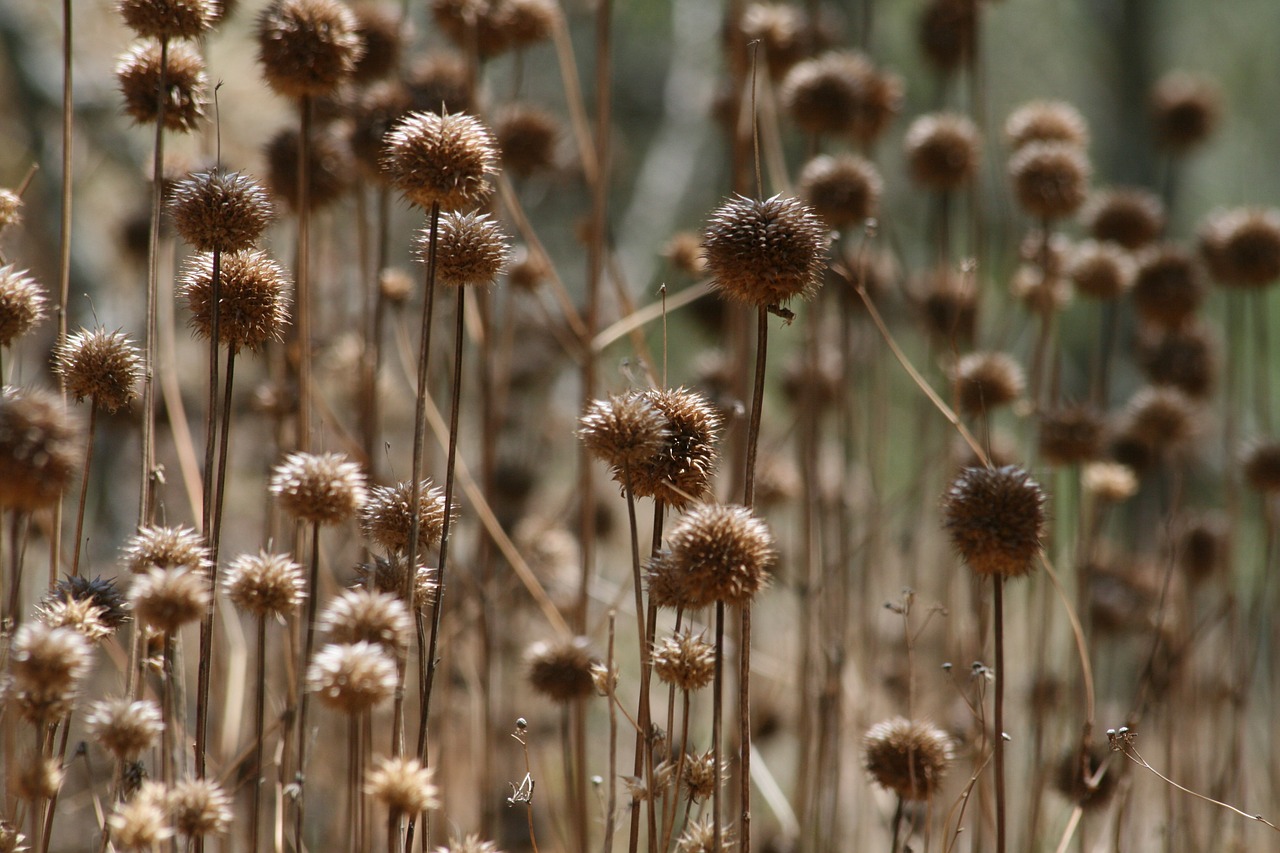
(1261, 464)
(125, 728)
(380, 32)
(943, 151)
(46, 665)
(141, 822)
(780, 30)
(765, 253)
(701, 776)
(167, 19)
(22, 304)
(199, 808)
(469, 844)
(908, 757)
(40, 449)
(443, 160)
(699, 836)
(472, 249)
(104, 366)
(681, 471)
(37, 778)
(224, 9)
(947, 32)
(138, 75)
(352, 678)
(439, 84)
(360, 615)
(387, 575)
(1046, 121)
(1168, 287)
(1050, 179)
(1130, 216)
(220, 211)
(403, 785)
(166, 599)
(319, 488)
(983, 381)
(329, 168)
(253, 302)
(165, 548)
(724, 553)
(560, 669)
(1162, 420)
(1242, 246)
(843, 190)
(995, 517)
(1073, 434)
(1109, 482)
(265, 584)
(375, 110)
(1204, 547)
(10, 214)
(1101, 271)
(307, 47)
(824, 95)
(101, 592)
(1185, 110)
(527, 139)
(1185, 357)
(84, 617)
(683, 660)
(665, 582)
(624, 432)
(1074, 776)
(950, 307)
(386, 517)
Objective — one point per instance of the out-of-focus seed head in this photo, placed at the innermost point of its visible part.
(527, 138)
(1046, 121)
(1204, 547)
(403, 785)
(1261, 464)
(361, 615)
(472, 249)
(11, 840)
(781, 31)
(528, 270)
(1168, 287)
(253, 298)
(684, 252)
(1185, 110)
(141, 822)
(104, 366)
(765, 253)
(444, 160)
(307, 47)
(1162, 420)
(329, 168)
(469, 844)
(22, 304)
(167, 19)
(943, 151)
(1185, 357)
(950, 307)
(439, 84)
(724, 553)
(1040, 294)
(947, 32)
(995, 518)
(84, 617)
(699, 836)
(561, 669)
(624, 432)
(841, 93)
(47, 665)
(382, 35)
(10, 214)
(983, 381)
(685, 661)
(1241, 246)
(40, 449)
(123, 727)
(372, 114)
(1109, 482)
(166, 599)
(199, 807)
(220, 211)
(1101, 271)
(1050, 179)
(907, 757)
(664, 580)
(844, 190)
(100, 592)
(701, 776)
(36, 778)
(1130, 216)
(1074, 777)
(138, 75)
(1072, 434)
(165, 548)
(352, 678)
(319, 488)
(680, 473)
(265, 584)
(387, 575)
(478, 23)
(387, 516)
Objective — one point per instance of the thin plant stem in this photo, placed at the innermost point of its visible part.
(84, 485)
(259, 713)
(308, 643)
(998, 615)
(303, 284)
(611, 809)
(717, 704)
(642, 709)
(64, 251)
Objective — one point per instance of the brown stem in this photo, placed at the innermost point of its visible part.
(84, 485)
(145, 499)
(259, 711)
(717, 704)
(313, 595)
(998, 614)
(303, 301)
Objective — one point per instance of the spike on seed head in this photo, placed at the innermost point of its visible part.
(1130, 216)
(307, 47)
(908, 757)
(101, 592)
(685, 661)
(472, 249)
(387, 516)
(387, 575)
(104, 366)
(701, 776)
(40, 449)
(1050, 179)
(352, 678)
(84, 617)
(681, 471)
(765, 253)
(265, 584)
(22, 304)
(253, 298)
(561, 670)
(445, 160)
(320, 488)
(403, 785)
(220, 211)
(10, 214)
(138, 75)
(844, 190)
(995, 517)
(199, 807)
(724, 553)
(1046, 121)
(699, 836)
(943, 151)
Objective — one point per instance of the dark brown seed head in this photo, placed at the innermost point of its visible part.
(841, 93)
(138, 74)
(478, 23)
(624, 432)
(166, 599)
(352, 679)
(1185, 357)
(983, 381)
(1168, 287)
(780, 30)
(1185, 110)
(527, 137)
(1261, 463)
(1046, 121)
(168, 19)
(403, 785)
(1241, 246)
(103, 366)
(329, 168)
(443, 160)
(1101, 271)
(1071, 435)
(40, 449)
(101, 592)
(765, 253)
(1050, 179)
(361, 615)
(1204, 547)
(1075, 777)
(307, 47)
(943, 151)
(947, 32)
(528, 269)
(685, 661)
(950, 307)
(440, 84)
(1130, 216)
(124, 728)
(223, 211)
(843, 190)
(372, 115)
(680, 473)
(386, 574)
(387, 516)
(382, 34)
(36, 778)
(995, 517)
(528, 22)
(724, 553)
(22, 304)
(471, 250)
(253, 298)
(665, 582)
(47, 665)
(1162, 420)
(320, 488)
(265, 584)
(199, 807)
(561, 670)
(907, 757)
(701, 776)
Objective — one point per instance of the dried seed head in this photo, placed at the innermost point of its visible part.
(983, 381)
(781, 31)
(375, 110)
(947, 32)
(1070, 435)
(950, 307)
(1109, 482)
(1241, 246)
(84, 617)
(527, 139)
(166, 599)
(1046, 121)
(724, 553)
(253, 298)
(699, 836)
(40, 449)
(1204, 547)
(1261, 462)
(561, 669)
(46, 665)
(22, 304)
(841, 92)
(220, 211)
(765, 253)
(443, 160)
(469, 844)
(1185, 110)
(320, 488)
(686, 661)
(1100, 271)
(472, 249)
(943, 151)
(10, 214)
(680, 472)
(11, 840)
(387, 574)
(395, 285)
(359, 615)
(528, 22)
(265, 584)
(1074, 778)
(908, 757)
(98, 591)
(1130, 216)
(843, 190)
(199, 807)
(36, 778)
(352, 678)
(307, 47)
(995, 517)
(1163, 421)
(1050, 179)
(387, 516)
(167, 19)
(624, 432)
(165, 548)
(701, 776)
(478, 23)
(138, 75)
(665, 582)
(1185, 357)
(684, 252)
(403, 785)
(104, 366)
(123, 727)
(329, 168)
(142, 822)
(382, 35)
(440, 83)
(1168, 287)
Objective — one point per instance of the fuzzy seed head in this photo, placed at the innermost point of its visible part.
(220, 211)
(625, 432)
(330, 168)
(908, 757)
(352, 678)
(947, 32)
(1168, 287)
(386, 517)
(781, 32)
(167, 19)
(1101, 271)
(844, 190)
(1185, 357)
(253, 299)
(142, 822)
(950, 306)
(983, 381)
(527, 138)
(1109, 482)
(1130, 216)
(265, 584)
(1185, 110)
(765, 253)
(100, 592)
(469, 844)
(361, 615)
(103, 366)
(40, 449)
(561, 670)
(138, 75)
(943, 151)
(319, 488)
(373, 113)
(1050, 179)
(472, 249)
(47, 665)
(724, 554)
(680, 473)
(165, 548)
(307, 47)
(84, 617)
(22, 304)
(686, 661)
(701, 776)
(995, 517)
(445, 160)
(166, 599)
(403, 785)
(37, 779)
(841, 93)
(1261, 464)
(10, 214)
(125, 728)
(1242, 246)
(378, 27)
(199, 808)
(481, 23)
(1204, 547)
(1162, 420)
(699, 836)
(684, 252)
(1070, 435)
(1046, 121)
(387, 575)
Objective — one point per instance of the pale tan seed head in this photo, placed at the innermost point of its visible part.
(46, 666)
(1100, 270)
(82, 616)
(680, 472)
(319, 488)
(472, 249)
(699, 836)
(724, 553)
(166, 599)
(98, 591)
(469, 844)
(199, 808)
(10, 214)
(168, 19)
(22, 304)
(40, 449)
(165, 548)
(387, 575)
(684, 660)
(220, 211)
(141, 822)
(1046, 121)
(908, 757)
(387, 516)
(101, 365)
(624, 432)
(1109, 482)
(361, 615)
(701, 776)
(253, 300)
(35, 778)
(123, 727)
(403, 785)
(265, 584)
(352, 679)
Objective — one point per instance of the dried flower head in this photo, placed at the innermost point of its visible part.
(1261, 463)
(320, 488)
(361, 615)
(781, 31)
(478, 23)
(701, 776)
(469, 844)
(141, 822)
(307, 47)
(439, 83)
(684, 252)
(1185, 110)
(372, 114)
(167, 19)
(382, 34)
(100, 592)
(22, 304)
(1204, 547)
(943, 151)
(47, 665)
(472, 249)
(765, 253)
(10, 214)
(1050, 179)
(844, 190)
(403, 785)
(724, 553)
(908, 757)
(841, 92)
(124, 728)
(387, 575)
(253, 298)
(1100, 271)
(947, 32)
(699, 836)
(265, 584)
(683, 660)
(352, 678)
(1109, 482)
(1130, 216)
(1072, 434)
(199, 807)
(386, 516)
(1185, 357)
(40, 449)
(1241, 246)
(36, 778)
(983, 381)
(995, 517)
(104, 366)
(624, 432)
(165, 548)
(527, 139)
(950, 306)
(561, 669)
(138, 75)
(1046, 121)
(1168, 287)
(329, 168)
(680, 472)
(166, 599)
(1162, 420)
(220, 211)
(442, 160)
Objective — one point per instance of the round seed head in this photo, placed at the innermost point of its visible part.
(440, 83)
(320, 488)
(950, 307)
(1050, 179)
(701, 776)
(1261, 464)
(469, 844)
(527, 139)
(166, 599)
(329, 168)
(947, 32)
(104, 366)
(84, 617)
(167, 19)
(908, 757)
(1185, 357)
(165, 548)
(1046, 121)
(528, 22)
(138, 75)
(10, 214)
(983, 381)
(699, 836)
(1204, 547)
(352, 678)
(481, 23)
(22, 304)
(37, 779)
(624, 432)
(561, 670)
(199, 807)
(1168, 287)
(528, 270)
(1185, 110)
(1070, 435)
(781, 31)
(1109, 482)
(253, 303)
(47, 665)
(841, 92)
(265, 584)
(1242, 246)
(123, 727)
(220, 211)
(680, 473)
(359, 615)
(40, 449)
(100, 592)
(380, 32)
(403, 785)
(995, 517)
(1100, 271)
(372, 115)
(141, 822)
(724, 553)
(472, 249)
(1074, 778)
(765, 253)
(387, 516)
(307, 47)
(387, 575)
(1130, 216)
(443, 160)
(843, 190)
(686, 661)
(1163, 421)
(664, 580)
(943, 151)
